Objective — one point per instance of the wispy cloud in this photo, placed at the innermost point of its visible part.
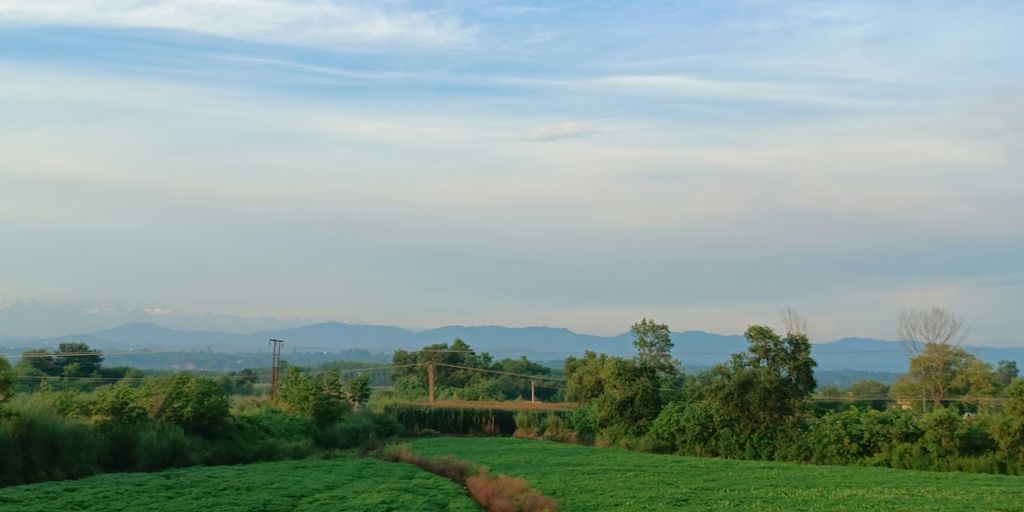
(822, 155)
(561, 131)
(324, 23)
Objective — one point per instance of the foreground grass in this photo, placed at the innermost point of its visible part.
(302, 485)
(591, 479)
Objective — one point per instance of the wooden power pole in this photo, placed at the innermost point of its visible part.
(275, 368)
(533, 394)
(430, 380)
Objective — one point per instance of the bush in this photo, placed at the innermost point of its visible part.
(355, 430)
(196, 404)
(161, 446)
(583, 422)
(458, 420)
(551, 426)
(689, 428)
(39, 446)
(118, 404)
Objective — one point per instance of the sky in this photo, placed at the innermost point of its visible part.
(572, 164)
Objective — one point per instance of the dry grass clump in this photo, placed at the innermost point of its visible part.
(451, 468)
(495, 493)
(503, 493)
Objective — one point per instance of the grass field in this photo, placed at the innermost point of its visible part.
(302, 485)
(597, 479)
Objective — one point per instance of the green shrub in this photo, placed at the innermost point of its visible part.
(452, 420)
(355, 430)
(689, 428)
(583, 421)
(119, 403)
(40, 446)
(196, 404)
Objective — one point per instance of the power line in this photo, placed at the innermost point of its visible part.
(499, 372)
(258, 375)
(354, 370)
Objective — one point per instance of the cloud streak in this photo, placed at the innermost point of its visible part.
(561, 131)
(327, 24)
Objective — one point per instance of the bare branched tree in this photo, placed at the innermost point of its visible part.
(921, 327)
(793, 322)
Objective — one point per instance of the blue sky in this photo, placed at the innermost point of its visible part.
(576, 164)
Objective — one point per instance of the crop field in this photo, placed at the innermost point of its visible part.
(302, 485)
(591, 479)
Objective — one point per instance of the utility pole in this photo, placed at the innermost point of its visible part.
(533, 394)
(275, 368)
(430, 380)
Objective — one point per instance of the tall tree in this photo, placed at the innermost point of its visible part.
(653, 342)
(934, 336)
(77, 360)
(936, 326)
(766, 385)
(445, 357)
(624, 393)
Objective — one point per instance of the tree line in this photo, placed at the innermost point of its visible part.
(462, 373)
(759, 405)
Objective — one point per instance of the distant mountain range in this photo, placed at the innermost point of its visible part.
(692, 348)
(23, 320)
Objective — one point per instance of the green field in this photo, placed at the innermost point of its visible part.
(303, 485)
(596, 479)
(581, 478)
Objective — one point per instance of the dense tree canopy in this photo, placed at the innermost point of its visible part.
(624, 394)
(70, 360)
(653, 343)
(942, 371)
(768, 383)
(461, 372)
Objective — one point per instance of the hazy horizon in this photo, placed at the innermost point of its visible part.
(577, 165)
(107, 317)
